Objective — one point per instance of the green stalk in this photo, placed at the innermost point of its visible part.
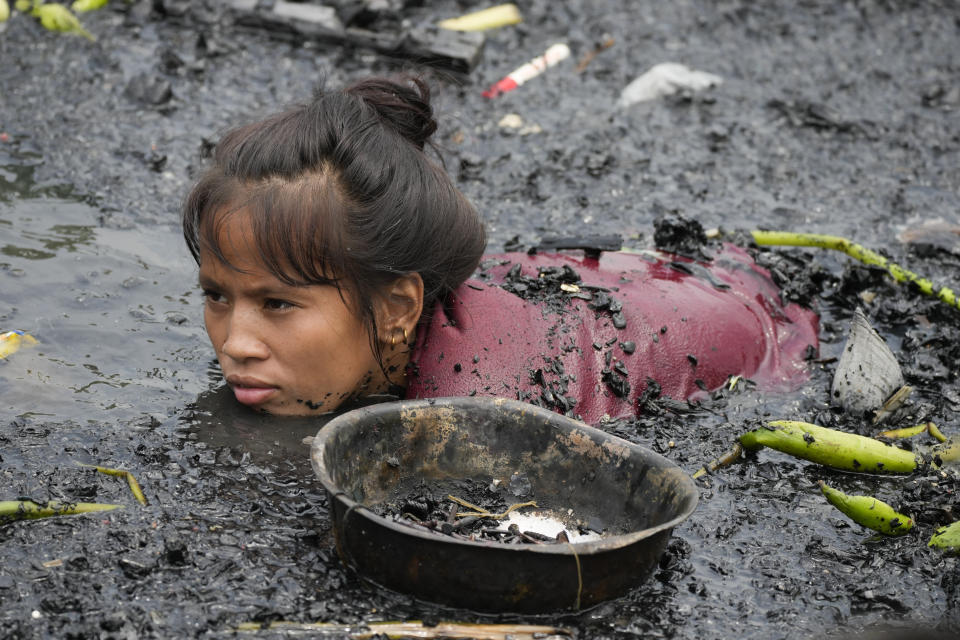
(121, 473)
(905, 432)
(28, 509)
(935, 432)
(857, 252)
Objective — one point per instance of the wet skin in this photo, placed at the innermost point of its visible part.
(286, 350)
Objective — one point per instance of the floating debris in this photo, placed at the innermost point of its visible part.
(510, 121)
(56, 17)
(588, 57)
(547, 524)
(857, 252)
(905, 432)
(555, 54)
(490, 515)
(947, 538)
(120, 473)
(937, 233)
(935, 432)
(868, 512)
(892, 404)
(11, 341)
(501, 15)
(946, 454)
(82, 6)
(868, 373)
(831, 448)
(725, 460)
(456, 50)
(513, 122)
(666, 79)
(804, 113)
(411, 629)
(29, 509)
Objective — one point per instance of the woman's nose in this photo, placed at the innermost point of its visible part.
(244, 340)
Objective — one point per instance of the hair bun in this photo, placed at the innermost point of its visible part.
(404, 104)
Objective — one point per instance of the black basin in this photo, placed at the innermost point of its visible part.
(363, 456)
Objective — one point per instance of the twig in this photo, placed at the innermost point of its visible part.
(414, 629)
(725, 460)
(892, 403)
(588, 57)
(480, 512)
(906, 432)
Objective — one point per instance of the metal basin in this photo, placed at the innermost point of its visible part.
(363, 456)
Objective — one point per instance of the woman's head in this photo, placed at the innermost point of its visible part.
(337, 195)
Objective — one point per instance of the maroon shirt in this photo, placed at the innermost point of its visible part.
(692, 325)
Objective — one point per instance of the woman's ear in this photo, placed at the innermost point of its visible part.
(400, 309)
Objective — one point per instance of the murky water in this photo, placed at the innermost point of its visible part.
(833, 117)
(115, 312)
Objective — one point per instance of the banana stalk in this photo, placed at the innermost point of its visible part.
(28, 509)
(947, 538)
(868, 512)
(831, 448)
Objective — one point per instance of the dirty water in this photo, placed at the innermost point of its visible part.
(833, 118)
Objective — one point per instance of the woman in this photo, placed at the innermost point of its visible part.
(334, 258)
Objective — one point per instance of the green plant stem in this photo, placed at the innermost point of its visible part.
(857, 252)
(121, 473)
(28, 509)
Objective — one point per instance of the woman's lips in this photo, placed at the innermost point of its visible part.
(251, 392)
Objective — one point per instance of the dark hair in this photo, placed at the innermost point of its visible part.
(341, 192)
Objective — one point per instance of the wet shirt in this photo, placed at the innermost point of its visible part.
(590, 336)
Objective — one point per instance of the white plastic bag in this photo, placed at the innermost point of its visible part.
(665, 79)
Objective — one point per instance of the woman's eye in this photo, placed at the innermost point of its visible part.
(275, 304)
(212, 296)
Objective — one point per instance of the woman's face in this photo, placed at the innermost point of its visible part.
(285, 350)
